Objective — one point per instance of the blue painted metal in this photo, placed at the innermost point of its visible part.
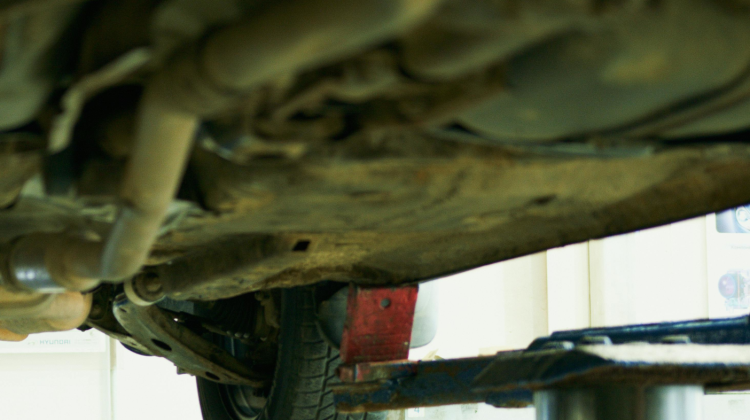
(507, 380)
(719, 331)
(422, 384)
(636, 363)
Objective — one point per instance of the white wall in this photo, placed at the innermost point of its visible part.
(87, 376)
(568, 288)
(64, 386)
(650, 276)
(148, 388)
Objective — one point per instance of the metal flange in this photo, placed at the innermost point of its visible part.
(155, 330)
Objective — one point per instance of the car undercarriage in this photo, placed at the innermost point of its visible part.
(171, 169)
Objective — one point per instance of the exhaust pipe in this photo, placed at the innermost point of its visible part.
(205, 79)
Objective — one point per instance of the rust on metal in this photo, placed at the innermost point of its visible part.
(509, 378)
(162, 336)
(378, 324)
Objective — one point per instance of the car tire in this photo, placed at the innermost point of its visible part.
(305, 369)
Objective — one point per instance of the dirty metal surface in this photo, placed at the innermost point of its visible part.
(419, 214)
(378, 324)
(102, 318)
(440, 148)
(637, 363)
(392, 179)
(659, 354)
(398, 197)
(508, 379)
(380, 386)
(23, 313)
(155, 330)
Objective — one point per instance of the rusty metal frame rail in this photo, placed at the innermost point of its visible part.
(392, 386)
(510, 378)
(711, 353)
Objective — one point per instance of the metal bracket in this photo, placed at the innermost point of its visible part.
(378, 324)
(155, 330)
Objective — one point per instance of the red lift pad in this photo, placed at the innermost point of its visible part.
(378, 324)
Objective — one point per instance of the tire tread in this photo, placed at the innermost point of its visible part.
(305, 370)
